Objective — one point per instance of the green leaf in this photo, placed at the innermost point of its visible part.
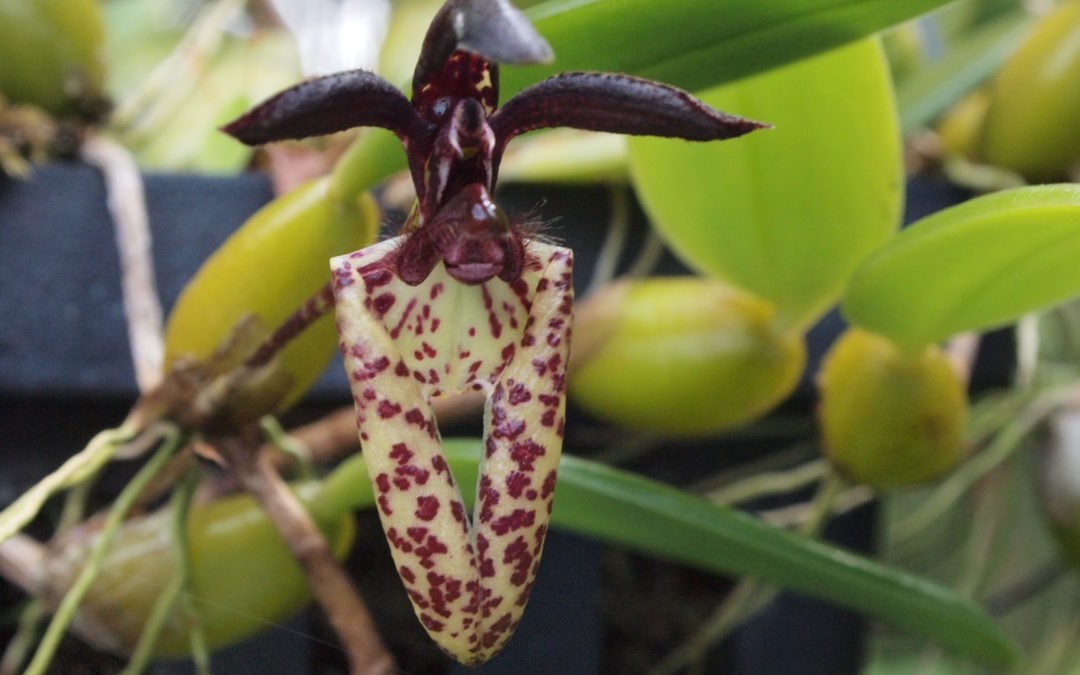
(974, 266)
(786, 213)
(647, 516)
(696, 44)
(693, 44)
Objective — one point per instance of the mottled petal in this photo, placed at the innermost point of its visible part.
(404, 345)
(326, 105)
(614, 103)
(492, 29)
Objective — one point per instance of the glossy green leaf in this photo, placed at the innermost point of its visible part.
(696, 44)
(647, 516)
(974, 266)
(693, 44)
(786, 213)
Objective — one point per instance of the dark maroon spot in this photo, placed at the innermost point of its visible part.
(418, 598)
(520, 288)
(488, 497)
(427, 507)
(472, 331)
(519, 394)
(497, 630)
(507, 351)
(548, 418)
(553, 340)
(487, 565)
(518, 519)
(384, 302)
(401, 370)
(384, 505)
(417, 534)
(407, 574)
(457, 511)
(554, 363)
(538, 537)
(400, 453)
(435, 323)
(525, 453)
(541, 285)
(475, 366)
(516, 483)
(549, 485)
(395, 332)
(342, 278)
(436, 290)
(495, 325)
(418, 355)
(382, 483)
(549, 400)
(509, 429)
(523, 597)
(433, 377)
(434, 546)
(375, 275)
(418, 475)
(528, 340)
(432, 624)
(387, 409)
(517, 553)
(419, 377)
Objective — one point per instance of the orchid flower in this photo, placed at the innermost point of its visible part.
(464, 300)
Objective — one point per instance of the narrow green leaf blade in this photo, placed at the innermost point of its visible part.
(786, 213)
(974, 266)
(644, 515)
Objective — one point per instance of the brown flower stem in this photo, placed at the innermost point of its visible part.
(330, 585)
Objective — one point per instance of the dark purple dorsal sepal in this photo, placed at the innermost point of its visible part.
(494, 30)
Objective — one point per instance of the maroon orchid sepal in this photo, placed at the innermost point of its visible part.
(464, 300)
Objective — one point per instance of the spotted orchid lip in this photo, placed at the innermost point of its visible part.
(469, 578)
